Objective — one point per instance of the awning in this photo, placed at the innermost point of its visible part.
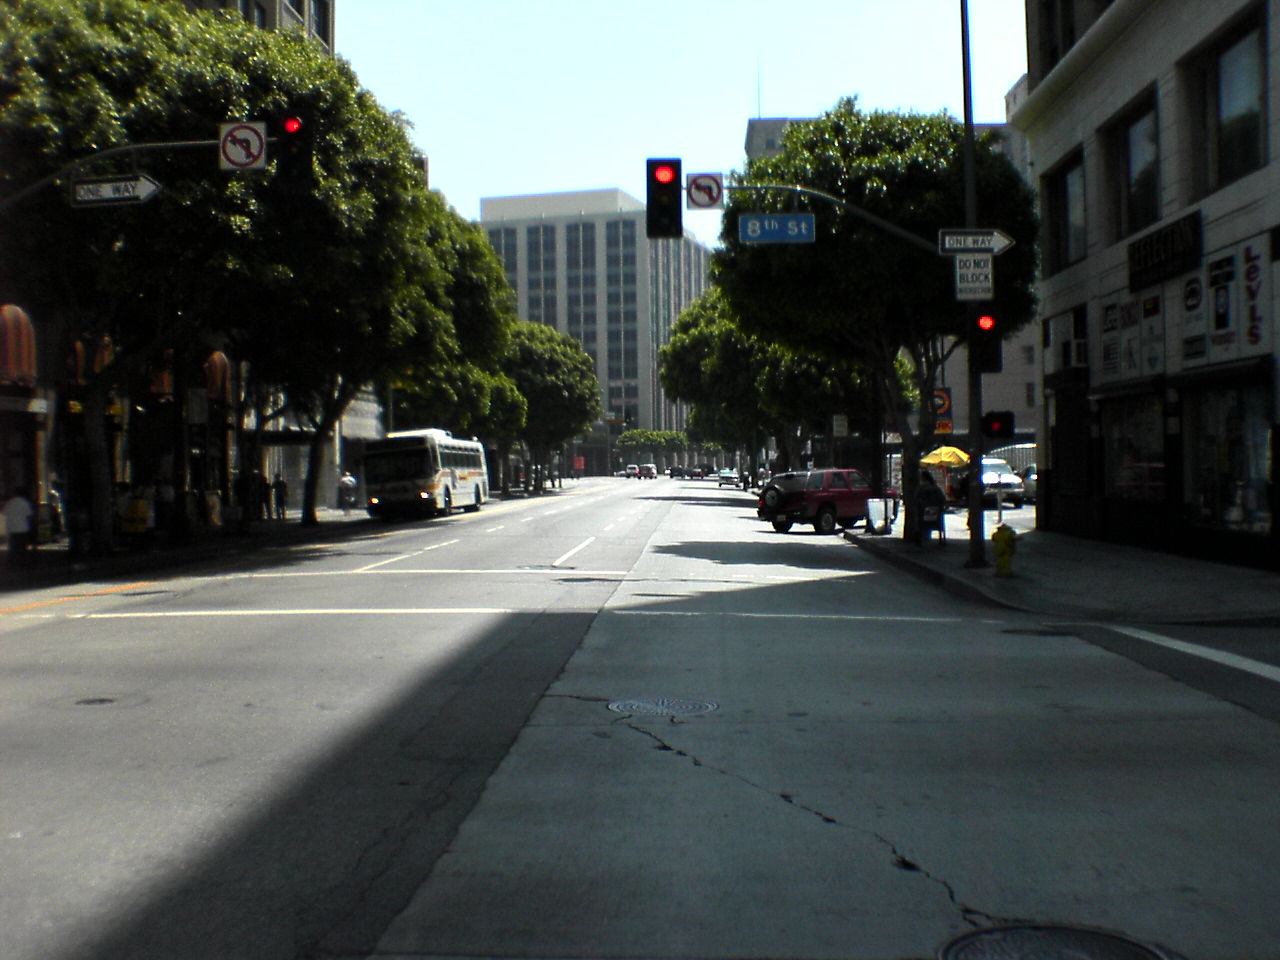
(17, 347)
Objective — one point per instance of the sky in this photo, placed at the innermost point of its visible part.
(513, 97)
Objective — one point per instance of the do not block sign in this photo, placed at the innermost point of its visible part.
(975, 277)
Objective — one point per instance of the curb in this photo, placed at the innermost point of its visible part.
(939, 578)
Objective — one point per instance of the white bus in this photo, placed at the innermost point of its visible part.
(424, 473)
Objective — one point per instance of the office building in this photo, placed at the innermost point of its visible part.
(580, 262)
(1150, 132)
(313, 17)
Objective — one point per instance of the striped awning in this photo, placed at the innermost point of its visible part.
(17, 347)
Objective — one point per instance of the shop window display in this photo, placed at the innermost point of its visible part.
(1228, 458)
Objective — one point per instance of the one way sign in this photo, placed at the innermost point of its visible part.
(986, 240)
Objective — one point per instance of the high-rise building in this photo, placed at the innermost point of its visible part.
(580, 262)
(314, 17)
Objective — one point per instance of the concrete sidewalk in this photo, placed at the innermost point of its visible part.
(1063, 576)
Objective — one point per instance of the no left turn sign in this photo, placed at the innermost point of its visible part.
(704, 191)
(242, 145)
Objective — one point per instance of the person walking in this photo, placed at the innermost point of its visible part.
(19, 517)
(280, 493)
(347, 492)
(932, 503)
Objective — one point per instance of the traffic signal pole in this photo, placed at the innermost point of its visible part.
(977, 543)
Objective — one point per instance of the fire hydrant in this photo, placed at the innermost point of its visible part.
(1006, 541)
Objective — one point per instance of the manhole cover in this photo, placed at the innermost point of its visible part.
(663, 707)
(1046, 943)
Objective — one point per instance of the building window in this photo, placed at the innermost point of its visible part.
(1065, 214)
(1133, 448)
(1227, 457)
(1057, 31)
(320, 19)
(260, 16)
(1228, 84)
(1134, 169)
(1239, 93)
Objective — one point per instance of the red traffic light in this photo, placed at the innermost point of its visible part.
(664, 173)
(292, 124)
(986, 322)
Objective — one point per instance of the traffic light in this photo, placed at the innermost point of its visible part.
(997, 424)
(295, 135)
(664, 199)
(984, 343)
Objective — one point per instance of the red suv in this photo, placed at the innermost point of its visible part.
(825, 498)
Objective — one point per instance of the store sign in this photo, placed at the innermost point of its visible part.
(1166, 253)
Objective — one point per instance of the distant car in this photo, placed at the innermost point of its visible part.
(727, 475)
(648, 471)
(830, 498)
(697, 473)
(633, 471)
(999, 482)
(1030, 481)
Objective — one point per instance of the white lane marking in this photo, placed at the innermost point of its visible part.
(585, 543)
(316, 612)
(791, 616)
(404, 556)
(1256, 667)
(496, 529)
(531, 571)
(607, 529)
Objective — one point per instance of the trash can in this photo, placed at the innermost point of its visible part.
(878, 519)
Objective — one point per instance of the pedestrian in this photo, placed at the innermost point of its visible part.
(263, 487)
(19, 516)
(280, 493)
(931, 502)
(347, 492)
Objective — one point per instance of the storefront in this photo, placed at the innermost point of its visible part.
(22, 410)
(1184, 399)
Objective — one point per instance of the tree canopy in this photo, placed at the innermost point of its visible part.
(862, 295)
(349, 273)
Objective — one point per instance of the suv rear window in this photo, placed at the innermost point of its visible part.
(815, 480)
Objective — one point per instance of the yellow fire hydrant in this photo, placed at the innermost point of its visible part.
(1006, 541)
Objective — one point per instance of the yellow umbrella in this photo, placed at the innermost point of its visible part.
(945, 457)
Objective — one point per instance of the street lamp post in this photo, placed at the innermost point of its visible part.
(977, 547)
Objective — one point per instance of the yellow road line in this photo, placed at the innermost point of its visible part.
(23, 608)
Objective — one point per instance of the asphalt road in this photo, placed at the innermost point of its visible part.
(433, 740)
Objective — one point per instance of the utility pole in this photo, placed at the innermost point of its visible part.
(977, 545)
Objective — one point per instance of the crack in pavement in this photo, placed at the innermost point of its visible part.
(974, 917)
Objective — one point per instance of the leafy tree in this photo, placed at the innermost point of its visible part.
(858, 294)
(557, 378)
(320, 285)
(741, 385)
